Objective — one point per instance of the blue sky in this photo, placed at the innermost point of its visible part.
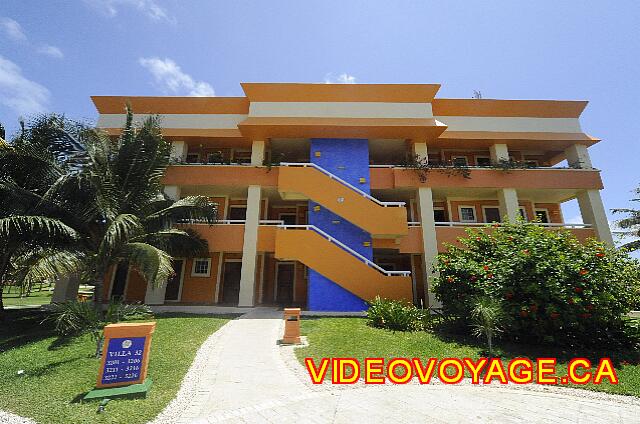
(55, 54)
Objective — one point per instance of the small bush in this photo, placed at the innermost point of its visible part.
(74, 318)
(395, 315)
(553, 289)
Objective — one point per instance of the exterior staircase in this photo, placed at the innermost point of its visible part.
(298, 181)
(341, 264)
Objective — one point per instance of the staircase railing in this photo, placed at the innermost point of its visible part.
(332, 239)
(343, 182)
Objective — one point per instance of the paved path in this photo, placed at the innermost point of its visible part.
(244, 376)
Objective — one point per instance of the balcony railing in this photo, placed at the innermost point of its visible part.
(484, 224)
(344, 183)
(346, 248)
(230, 222)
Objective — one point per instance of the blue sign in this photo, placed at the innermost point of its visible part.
(124, 359)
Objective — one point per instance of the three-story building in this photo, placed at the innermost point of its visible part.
(315, 206)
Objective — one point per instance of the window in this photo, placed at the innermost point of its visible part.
(215, 157)
(238, 213)
(492, 214)
(459, 160)
(483, 161)
(542, 215)
(439, 215)
(242, 156)
(288, 218)
(523, 213)
(467, 214)
(193, 157)
(201, 267)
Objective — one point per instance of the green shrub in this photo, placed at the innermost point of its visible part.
(553, 288)
(74, 318)
(395, 315)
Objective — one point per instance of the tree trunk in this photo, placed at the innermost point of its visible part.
(99, 342)
(97, 294)
(2, 312)
(489, 337)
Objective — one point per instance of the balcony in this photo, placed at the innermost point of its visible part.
(389, 177)
(449, 232)
(228, 235)
(220, 174)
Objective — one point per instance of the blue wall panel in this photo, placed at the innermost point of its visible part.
(349, 160)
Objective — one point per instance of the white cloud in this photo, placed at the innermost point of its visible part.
(343, 78)
(51, 51)
(19, 93)
(171, 79)
(148, 7)
(12, 29)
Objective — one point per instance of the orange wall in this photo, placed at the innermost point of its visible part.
(200, 289)
(495, 178)
(195, 175)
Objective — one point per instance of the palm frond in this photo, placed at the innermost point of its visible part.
(153, 264)
(190, 208)
(176, 242)
(35, 226)
(46, 265)
(119, 231)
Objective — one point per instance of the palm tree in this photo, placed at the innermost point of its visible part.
(487, 316)
(106, 196)
(38, 225)
(630, 225)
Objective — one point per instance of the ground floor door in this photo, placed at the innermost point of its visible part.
(120, 281)
(285, 276)
(172, 294)
(231, 282)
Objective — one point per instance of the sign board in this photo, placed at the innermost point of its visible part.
(125, 354)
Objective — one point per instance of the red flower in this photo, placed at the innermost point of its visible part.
(478, 238)
(489, 275)
(524, 313)
(600, 255)
(486, 268)
(584, 316)
(510, 238)
(450, 279)
(583, 272)
(578, 289)
(554, 315)
(525, 251)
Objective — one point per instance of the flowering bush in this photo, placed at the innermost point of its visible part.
(553, 288)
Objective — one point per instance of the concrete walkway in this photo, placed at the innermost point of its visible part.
(243, 375)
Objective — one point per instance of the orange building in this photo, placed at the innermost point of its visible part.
(315, 207)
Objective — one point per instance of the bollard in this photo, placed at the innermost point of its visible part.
(291, 326)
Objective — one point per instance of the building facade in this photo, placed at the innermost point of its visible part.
(317, 206)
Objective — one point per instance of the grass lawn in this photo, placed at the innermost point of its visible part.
(351, 337)
(40, 296)
(58, 372)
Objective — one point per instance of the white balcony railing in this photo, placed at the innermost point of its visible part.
(484, 224)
